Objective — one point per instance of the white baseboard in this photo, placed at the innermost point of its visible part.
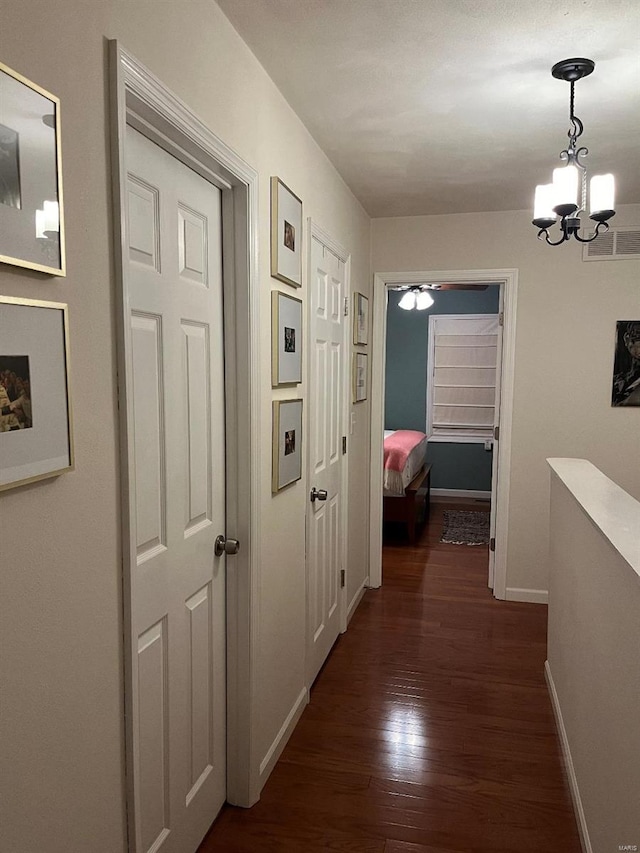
(275, 750)
(357, 598)
(534, 596)
(566, 752)
(460, 493)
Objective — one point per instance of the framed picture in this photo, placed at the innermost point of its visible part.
(286, 339)
(31, 208)
(286, 234)
(626, 364)
(36, 439)
(287, 443)
(360, 319)
(359, 377)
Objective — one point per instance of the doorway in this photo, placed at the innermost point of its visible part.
(507, 280)
(185, 211)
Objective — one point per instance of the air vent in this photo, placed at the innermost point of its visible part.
(614, 245)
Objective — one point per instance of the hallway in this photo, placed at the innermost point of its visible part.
(430, 729)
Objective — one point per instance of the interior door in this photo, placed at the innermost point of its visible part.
(326, 421)
(175, 400)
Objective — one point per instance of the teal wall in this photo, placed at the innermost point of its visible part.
(455, 466)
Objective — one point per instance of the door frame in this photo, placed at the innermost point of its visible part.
(316, 231)
(508, 279)
(139, 98)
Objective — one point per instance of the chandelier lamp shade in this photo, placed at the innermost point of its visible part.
(565, 198)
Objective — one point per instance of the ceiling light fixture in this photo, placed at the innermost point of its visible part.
(417, 297)
(561, 198)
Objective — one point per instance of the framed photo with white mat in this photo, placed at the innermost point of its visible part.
(286, 234)
(286, 339)
(287, 443)
(31, 206)
(36, 437)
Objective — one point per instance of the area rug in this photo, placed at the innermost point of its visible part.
(463, 527)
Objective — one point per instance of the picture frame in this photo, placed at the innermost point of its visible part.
(287, 443)
(286, 339)
(360, 377)
(625, 388)
(286, 234)
(360, 319)
(36, 432)
(31, 198)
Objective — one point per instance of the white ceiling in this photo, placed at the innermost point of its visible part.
(448, 106)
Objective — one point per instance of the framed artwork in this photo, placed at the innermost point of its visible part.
(286, 339)
(287, 443)
(31, 208)
(626, 364)
(359, 377)
(36, 438)
(286, 234)
(360, 319)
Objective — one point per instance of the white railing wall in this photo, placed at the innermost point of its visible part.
(593, 666)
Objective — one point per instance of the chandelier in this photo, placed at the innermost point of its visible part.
(566, 196)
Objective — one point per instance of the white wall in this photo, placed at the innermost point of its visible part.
(593, 648)
(566, 316)
(60, 594)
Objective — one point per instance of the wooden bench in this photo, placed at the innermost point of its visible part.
(412, 508)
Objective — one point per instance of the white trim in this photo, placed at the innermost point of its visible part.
(357, 598)
(508, 278)
(275, 750)
(461, 493)
(568, 760)
(165, 117)
(533, 596)
(315, 231)
(340, 251)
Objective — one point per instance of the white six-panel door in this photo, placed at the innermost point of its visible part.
(177, 494)
(326, 422)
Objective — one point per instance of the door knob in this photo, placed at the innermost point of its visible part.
(319, 494)
(226, 546)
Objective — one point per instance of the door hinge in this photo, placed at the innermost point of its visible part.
(492, 544)
(346, 306)
(342, 573)
(344, 444)
(496, 433)
(501, 318)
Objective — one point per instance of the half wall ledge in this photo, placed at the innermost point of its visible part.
(613, 511)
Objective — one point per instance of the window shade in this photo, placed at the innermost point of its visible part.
(462, 387)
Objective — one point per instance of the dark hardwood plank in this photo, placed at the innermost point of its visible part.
(430, 729)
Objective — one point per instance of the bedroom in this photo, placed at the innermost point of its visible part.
(440, 384)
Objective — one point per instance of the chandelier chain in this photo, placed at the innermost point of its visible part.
(575, 131)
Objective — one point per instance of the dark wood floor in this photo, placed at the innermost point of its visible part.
(429, 730)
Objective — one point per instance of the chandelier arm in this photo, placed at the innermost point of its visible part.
(601, 225)
(544, 233)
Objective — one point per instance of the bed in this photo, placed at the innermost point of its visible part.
(406, 478)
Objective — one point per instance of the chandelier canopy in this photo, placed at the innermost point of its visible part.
(566, 196)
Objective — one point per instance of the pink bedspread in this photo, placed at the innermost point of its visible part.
(398, 446)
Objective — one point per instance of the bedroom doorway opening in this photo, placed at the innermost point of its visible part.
(442, 381)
